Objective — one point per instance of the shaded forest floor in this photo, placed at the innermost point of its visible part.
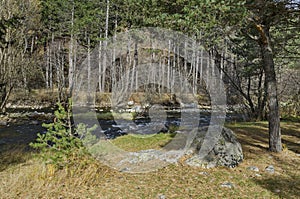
(24, 176)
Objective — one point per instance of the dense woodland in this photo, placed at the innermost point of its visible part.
(254, 44)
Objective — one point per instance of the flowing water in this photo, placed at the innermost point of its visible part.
(27, 131)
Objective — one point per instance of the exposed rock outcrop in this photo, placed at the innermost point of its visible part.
(226, 152)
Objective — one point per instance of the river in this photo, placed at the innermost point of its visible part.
(26, 131)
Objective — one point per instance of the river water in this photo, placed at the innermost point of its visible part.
(26, 132)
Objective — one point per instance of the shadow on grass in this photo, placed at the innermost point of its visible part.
(254, 140)
(285, 187)
(256, 135)
(291, 132)
(291, 136)
(13, 154)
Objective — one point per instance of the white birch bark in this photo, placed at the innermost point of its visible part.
(71, 49)
(105, 47)
(89, 65)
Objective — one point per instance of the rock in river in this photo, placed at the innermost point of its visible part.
(3, 123)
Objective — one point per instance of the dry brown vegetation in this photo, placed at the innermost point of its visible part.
(28, 177)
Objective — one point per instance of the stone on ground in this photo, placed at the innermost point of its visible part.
(226, 152)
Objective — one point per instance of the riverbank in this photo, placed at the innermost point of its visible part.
(26, 176)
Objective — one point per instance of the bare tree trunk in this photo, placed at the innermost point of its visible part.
(63, 81)
(193, 65)
(71, 51)
(136, 65)
(269, 68)
(197, 72)
(201, 67)
(208, 73)
(262, 96)
(105, 47)
(173, 70)
(58, 72)
(100, 64)
(162, 75)
(51, 62)
(32, 45)
(128, 63)
(47, 64)
(168, 67)
(4, 96)
(185, 58)
(89, 65)
(23, 69)
(114, 69)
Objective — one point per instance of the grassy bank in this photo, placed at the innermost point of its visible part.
(30, 178)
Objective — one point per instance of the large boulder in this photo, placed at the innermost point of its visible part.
(226, 152)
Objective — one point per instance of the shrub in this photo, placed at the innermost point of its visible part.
(61, 144)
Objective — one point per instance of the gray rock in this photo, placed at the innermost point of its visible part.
(270, 169)
(227, 185)
(161, 196)
(204, 173)
(226, 152)
(34, 122)
(125, 169)
(3, 123)
(150, 155)
(130, 103)
(195, 161)
(253, 168)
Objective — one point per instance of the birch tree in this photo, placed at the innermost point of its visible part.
(18, 27)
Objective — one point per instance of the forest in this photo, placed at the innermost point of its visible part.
(248, 48)
(253, 44)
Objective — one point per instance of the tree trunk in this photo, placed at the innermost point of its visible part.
(71, 51)
(5, 93)
(51, 51)
(100, 64)
(89, 65)
(269, 68)
(47, 57)
(105, 48)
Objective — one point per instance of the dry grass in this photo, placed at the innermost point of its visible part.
(34, 179)
(41, 97)
(13, 155)
(104, 99)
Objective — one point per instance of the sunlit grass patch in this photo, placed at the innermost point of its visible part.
(133, 142)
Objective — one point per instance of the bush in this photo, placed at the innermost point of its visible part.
(61, 144)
